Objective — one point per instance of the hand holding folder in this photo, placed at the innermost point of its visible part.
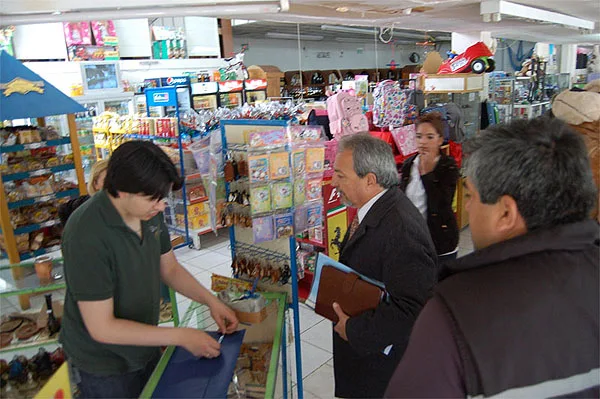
(336, 282)
(354, 295)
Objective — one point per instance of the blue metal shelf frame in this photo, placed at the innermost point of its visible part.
(34, 146)
(293, 266)
(38, 172)
(44, 198)
(167, 97)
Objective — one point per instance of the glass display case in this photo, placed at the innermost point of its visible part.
(521, 98)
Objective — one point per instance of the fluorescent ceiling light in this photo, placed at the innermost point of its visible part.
(346, 29)
(222, 10)
(497, 8)
(238, 22)
(291, 36)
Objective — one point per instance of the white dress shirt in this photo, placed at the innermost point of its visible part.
(363, 210)
(415, 191)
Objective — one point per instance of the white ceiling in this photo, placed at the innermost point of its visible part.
(446, 15)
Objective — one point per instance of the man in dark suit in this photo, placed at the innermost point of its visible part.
(388, 241)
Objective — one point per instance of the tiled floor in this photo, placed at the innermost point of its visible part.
(315, 331)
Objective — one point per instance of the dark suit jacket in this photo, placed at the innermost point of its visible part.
(440, 186)
(391, 245)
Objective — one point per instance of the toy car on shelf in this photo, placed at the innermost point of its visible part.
(476, 59)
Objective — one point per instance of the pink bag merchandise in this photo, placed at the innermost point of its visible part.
(77, 33)
(102, 29)
(405, 138)
(389, 102)
(345, 115)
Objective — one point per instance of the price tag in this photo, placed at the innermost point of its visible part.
(34, 146)
(40, 172)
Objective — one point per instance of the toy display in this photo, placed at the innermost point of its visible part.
(476, 59)
(22, 377)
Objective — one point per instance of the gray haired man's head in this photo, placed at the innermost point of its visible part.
(371, 155)
(542, 164)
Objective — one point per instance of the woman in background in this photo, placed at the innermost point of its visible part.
(429, 180)
(97, 175)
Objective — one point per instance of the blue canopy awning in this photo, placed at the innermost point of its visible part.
(24, 94)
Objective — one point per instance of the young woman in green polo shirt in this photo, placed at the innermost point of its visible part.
(117, 251)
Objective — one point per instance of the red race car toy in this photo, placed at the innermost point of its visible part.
(476, 59)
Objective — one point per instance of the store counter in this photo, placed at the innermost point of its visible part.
(255, 351)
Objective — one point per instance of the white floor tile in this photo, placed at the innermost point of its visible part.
(204, 278)
(208, 260)
(308, 318)
(224, 269)
(191, 254)
(320, 336)
(321, 382)
(312, 359)
(226, 251)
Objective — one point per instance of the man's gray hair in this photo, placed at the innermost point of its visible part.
(371, 155)
(543, 164)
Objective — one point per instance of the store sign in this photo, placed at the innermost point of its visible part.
(175, 81)
(21, 86)
(231, 85)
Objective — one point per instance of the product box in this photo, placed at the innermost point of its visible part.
(199, 222)
(199, 209)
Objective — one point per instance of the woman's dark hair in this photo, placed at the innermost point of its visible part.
(435, 119)
(141, 167)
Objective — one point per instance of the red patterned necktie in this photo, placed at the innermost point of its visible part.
(353, 226)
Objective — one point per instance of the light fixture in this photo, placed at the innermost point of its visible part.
(291, 36)
(347, 29)
(342, 9)
(228, 9)
(495, 9)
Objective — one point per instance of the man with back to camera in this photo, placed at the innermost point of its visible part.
(518, 317)
(117, 251)
(388, 241)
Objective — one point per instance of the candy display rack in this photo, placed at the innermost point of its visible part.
(40, 156)
(274, 174)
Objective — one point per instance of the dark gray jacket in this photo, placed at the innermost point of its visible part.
(517, 319)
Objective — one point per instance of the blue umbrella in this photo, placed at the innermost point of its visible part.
(24, 94)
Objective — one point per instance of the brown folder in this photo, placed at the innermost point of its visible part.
(354, 295)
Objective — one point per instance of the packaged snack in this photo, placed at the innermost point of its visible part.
(313, 189)
(52, 161)
(299, 191)
(282, 195)
(314, 215)
(299, 162)
(284, 225)
(259, 168)
(260, 199)
(262, 229)
(77, 33)
(315, 158)
(280, 165)
(22, 242)
(274, 138)
(36, 241)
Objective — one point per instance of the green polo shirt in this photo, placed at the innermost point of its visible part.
(105, 259)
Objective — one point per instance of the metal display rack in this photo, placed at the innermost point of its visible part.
(232, 136)
(167, 97)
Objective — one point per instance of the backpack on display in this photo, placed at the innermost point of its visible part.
(345, 115)
(389, 104)
(405, 138)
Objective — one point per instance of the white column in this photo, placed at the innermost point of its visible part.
(568, 59)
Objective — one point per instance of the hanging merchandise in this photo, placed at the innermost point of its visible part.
(389, 102)
(345, 115)
(405, 139)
